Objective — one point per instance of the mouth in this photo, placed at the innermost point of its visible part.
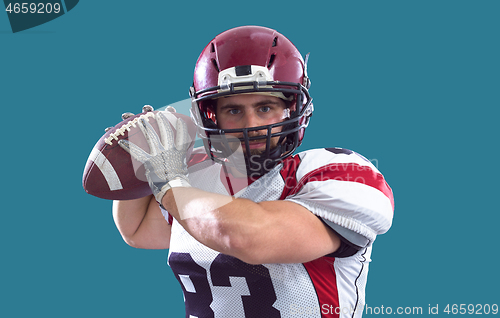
(259, 142)
(256, 145)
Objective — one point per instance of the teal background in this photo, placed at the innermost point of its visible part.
(411, 85)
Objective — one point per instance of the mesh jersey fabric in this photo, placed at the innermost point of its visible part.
(338, 185)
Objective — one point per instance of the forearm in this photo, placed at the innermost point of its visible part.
(220, 222)
(256, 233)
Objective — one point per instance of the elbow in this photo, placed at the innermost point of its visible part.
(128, 238)
(147, 245)
(130, 242)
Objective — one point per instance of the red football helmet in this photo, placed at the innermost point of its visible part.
(252, 59)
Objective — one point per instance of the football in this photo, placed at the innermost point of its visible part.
(111, 172)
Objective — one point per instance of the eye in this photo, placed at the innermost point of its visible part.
(265, 109)
(233, 111)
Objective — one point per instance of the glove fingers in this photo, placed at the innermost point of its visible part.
(182, 139)
(166, 134)
(151, 136)
(135, 151)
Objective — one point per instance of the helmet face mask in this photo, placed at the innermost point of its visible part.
(281, 73)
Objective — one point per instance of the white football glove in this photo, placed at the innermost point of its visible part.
(166, 165)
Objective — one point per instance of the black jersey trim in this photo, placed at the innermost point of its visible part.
(346, 248)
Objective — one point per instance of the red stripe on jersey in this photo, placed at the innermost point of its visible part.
(351, 172)
(324, 279)
(289, 174)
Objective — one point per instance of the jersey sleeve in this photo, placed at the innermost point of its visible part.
(344, 189)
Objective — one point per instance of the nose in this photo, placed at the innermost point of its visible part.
(252, 120)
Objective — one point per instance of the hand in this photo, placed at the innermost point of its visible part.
(166, 165)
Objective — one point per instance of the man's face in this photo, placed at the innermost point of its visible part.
(251, 110)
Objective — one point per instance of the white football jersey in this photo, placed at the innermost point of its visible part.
(337, 185)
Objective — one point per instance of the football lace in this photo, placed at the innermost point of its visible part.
(126, 127)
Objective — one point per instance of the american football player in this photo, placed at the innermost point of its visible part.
(253, 228)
